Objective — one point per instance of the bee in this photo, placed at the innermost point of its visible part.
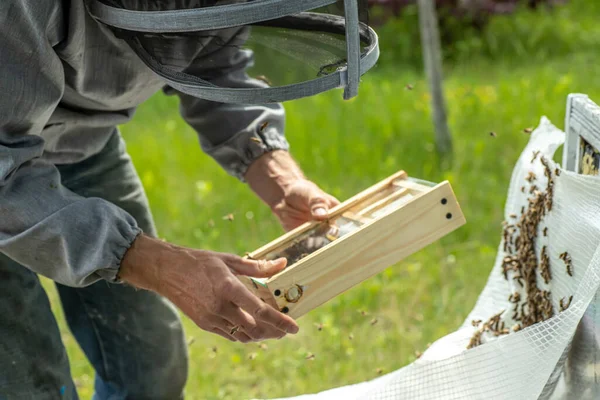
(214, 349)
(523, 210)
(379, 371)
(530, 176)
(493, 134)
(475, 322)
(191, 341)
(565, 305)
(418, 354)
(409, 86)
(557, 172)
(513, 215)
(362, 312)
(255, 139)
(532, 189)
(523, 189)
(351, 336)
(252, 356)
(475, 339)
(319, 326)
(567, 260)
(264, 79)
(228, 217)
(263, 126)
(263, 346)
(373, 321)
(527, 130)
(309, 356)
(545, 231)
(519, 279)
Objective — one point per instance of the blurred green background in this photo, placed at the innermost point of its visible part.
(502, 78)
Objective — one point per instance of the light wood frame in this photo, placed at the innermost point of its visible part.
(426, 213)
(582, 122)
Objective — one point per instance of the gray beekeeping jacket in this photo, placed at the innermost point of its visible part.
(65, 83)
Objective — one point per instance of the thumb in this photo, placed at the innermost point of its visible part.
(256, 268)
(318, 206)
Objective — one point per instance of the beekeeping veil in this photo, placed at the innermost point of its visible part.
(298, 48)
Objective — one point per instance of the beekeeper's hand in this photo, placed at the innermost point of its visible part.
(280, 183)
(203, 284)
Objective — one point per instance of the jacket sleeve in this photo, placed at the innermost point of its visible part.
(233, 135)
(44, 226)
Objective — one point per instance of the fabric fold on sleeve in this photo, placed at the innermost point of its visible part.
(47, 228)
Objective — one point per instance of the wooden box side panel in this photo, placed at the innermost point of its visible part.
(370, 250)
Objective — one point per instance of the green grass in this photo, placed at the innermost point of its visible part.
(345, 147)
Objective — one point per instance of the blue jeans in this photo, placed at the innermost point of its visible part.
(133, 338)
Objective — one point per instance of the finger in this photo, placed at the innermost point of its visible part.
(261, 331)
(235, 316)
(224, 334)
(318, 203)
(332, 201)
(222, 327)
(287, 212)
(254, 268)
(260, 311)
(243, 337)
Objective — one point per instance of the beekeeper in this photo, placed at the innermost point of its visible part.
(73, 209)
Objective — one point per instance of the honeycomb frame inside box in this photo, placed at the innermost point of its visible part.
(362, 236)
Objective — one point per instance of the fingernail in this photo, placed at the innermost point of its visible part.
(292, 329)
(320, 211)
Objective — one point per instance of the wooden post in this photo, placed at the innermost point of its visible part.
(432, 58)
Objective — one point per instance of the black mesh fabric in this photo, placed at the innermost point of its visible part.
(278, 52)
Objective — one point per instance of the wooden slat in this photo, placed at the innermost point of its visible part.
(369, 250)
(385, 201)
(359, 219)
(415, 186)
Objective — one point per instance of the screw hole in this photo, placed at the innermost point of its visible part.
(285, 310)
(444, 200)
(449, 215)
(277, 292)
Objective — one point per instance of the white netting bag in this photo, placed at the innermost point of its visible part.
(541, 360)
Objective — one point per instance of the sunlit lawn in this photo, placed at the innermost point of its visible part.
(346, 147)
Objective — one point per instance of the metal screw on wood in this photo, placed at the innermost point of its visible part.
(293, 294)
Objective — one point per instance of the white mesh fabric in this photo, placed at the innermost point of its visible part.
(537, 362)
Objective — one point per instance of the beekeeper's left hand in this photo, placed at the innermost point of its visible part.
(280, 183)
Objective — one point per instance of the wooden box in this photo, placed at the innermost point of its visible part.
(581, 152)
(363, 236)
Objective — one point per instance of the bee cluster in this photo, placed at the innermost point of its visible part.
(493, 325)
(521, 263)
(302, 248)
